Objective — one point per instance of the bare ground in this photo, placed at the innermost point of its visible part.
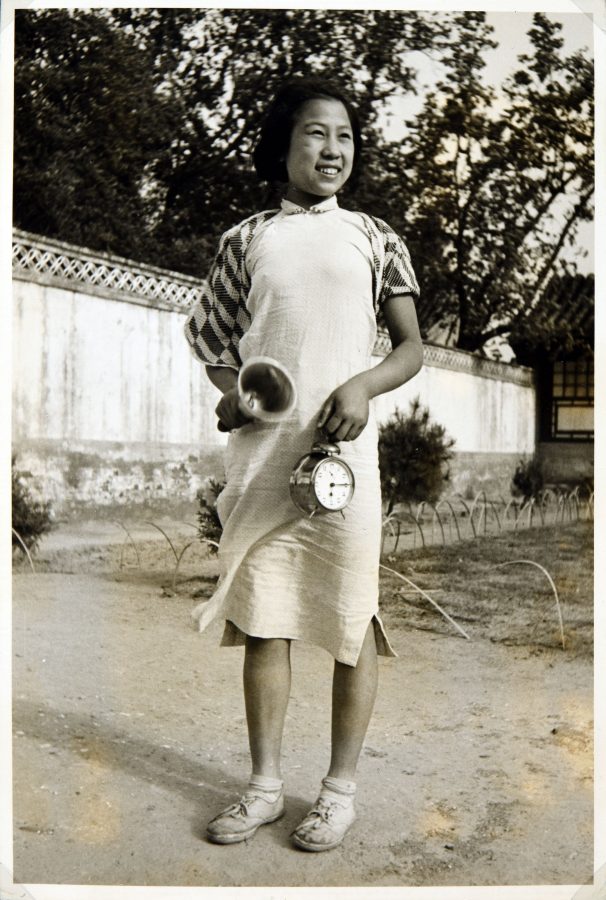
(130, 730)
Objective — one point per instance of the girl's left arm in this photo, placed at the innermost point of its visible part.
(345, 412)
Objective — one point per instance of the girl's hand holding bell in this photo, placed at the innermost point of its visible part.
(229, 412)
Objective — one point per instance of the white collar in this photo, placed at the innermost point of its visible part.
(288, 207)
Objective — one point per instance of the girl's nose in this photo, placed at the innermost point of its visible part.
(330, 149)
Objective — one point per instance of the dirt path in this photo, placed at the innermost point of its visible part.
(130, 734)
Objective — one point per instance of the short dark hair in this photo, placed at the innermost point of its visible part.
(269, 155)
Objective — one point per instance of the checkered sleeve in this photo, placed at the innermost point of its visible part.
(220, 317)
(398, 276)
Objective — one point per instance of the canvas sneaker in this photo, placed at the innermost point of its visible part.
(326, 824)
(241, 820)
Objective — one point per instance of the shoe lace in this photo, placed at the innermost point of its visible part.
(323, 809)
(241, 808)
(245, 802)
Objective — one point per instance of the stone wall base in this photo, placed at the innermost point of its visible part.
(84, 478)
(471, 473)
(91, 477)
(567, 462)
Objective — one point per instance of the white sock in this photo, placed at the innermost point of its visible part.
(266, 787)
(340, 790)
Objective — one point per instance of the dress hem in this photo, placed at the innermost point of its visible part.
(235, 636)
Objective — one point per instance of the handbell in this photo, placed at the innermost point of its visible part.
(266, 390)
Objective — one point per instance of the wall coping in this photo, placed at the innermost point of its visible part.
(479, 366)
(59, 264)
(53, 263)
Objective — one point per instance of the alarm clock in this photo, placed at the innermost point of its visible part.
(321, 482)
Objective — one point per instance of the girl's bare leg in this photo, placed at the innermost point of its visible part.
(353, 697)
(354, 689)
(266, 692)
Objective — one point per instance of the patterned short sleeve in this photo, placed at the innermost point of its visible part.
(220, 317)
(398, 276)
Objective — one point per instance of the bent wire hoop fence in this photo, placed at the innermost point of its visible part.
(25, 548)
(484, 516)
(530, 562)
(456, 518)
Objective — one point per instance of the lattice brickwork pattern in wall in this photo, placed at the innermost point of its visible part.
(65, 265)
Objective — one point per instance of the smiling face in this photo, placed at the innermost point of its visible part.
(321, 152)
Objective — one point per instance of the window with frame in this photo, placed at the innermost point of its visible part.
(572, 400)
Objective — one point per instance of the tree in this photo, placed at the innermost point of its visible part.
(414, 454)
(494, 196)
(223, 68)
(90, 131)
(165, 104)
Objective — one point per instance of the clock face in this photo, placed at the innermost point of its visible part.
(333, 484)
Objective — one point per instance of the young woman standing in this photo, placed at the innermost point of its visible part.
(304, 285)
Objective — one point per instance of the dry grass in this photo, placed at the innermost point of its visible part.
(512, 605)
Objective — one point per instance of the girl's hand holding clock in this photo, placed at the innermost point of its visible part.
(344, 415)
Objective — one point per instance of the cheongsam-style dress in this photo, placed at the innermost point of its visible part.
(311, 304)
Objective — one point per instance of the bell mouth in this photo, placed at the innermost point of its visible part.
(266, 389)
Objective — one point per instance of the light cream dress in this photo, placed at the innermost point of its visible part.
(283, 574)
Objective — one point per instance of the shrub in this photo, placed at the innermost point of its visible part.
(31, 518)
(413, 457)
(528, 479)
(209, 525)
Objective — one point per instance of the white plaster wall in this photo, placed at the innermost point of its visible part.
(484, 415)
(88, 368)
